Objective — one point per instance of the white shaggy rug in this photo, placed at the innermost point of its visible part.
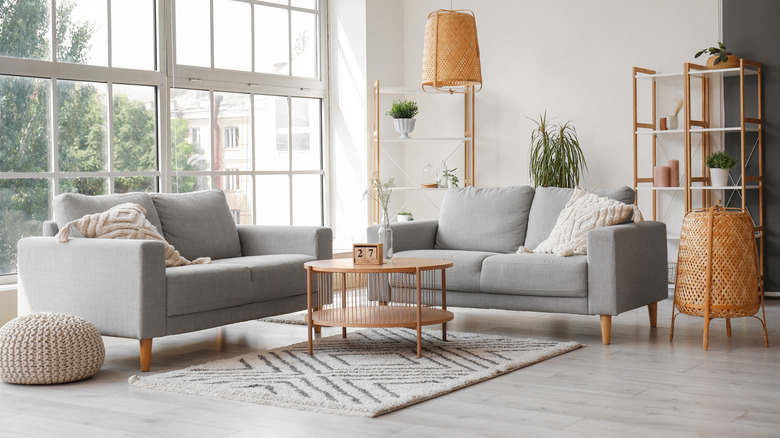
(370, 373)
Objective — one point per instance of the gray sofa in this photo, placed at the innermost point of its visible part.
(480, 230)
(124, 288)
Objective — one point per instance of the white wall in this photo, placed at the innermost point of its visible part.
(572, 58)
(348, 151)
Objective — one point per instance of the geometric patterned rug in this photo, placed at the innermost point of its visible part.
(370, 373)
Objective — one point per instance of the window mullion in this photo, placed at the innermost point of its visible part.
(211, 24)
(55, 150)
(110, 134)
(108, 30)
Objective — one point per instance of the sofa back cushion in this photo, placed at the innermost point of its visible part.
(72, 206)
(484, 219)
(198, 224)
(550, 201)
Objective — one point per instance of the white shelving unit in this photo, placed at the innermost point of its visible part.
(695, 140)
(384, 146)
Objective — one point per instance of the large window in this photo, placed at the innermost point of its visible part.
(88, 104)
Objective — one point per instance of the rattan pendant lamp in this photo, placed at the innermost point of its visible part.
(451, 53)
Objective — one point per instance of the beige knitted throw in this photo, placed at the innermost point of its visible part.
(125, 221)
(584, 212)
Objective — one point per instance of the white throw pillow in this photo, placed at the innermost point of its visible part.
(124, 221)
(585, 211)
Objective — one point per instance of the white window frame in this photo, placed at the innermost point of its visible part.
(221, 80)
(167, 76)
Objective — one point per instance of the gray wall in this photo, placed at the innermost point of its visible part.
(751, 30)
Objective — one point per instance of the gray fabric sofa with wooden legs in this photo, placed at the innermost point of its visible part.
(125, 290)
(480, 230)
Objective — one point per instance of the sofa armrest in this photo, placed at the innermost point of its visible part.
(408, 235)
(627, 267)
(116, 284)
(267, 239)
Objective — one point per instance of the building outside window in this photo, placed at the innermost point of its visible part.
(84, 106)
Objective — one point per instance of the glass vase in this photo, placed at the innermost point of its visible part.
(386, 238)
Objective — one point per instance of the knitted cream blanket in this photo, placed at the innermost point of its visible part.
(584, 212)
(125, 221)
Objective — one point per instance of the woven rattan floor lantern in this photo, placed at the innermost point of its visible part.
(451, 53)
(717, 269)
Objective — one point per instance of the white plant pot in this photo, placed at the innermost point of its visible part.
(404, 126)
(444, 183)
(405, 217)
(719, 177)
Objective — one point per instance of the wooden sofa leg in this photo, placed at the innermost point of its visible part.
(146, 354)
(652, 312)
(606, 329)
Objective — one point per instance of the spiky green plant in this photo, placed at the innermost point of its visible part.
(556, 159)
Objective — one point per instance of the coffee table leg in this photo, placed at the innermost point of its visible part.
(308, 307)
(443, 303)
(343, 299)
(419, 315)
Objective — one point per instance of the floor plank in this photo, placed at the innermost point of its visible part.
(640, 385)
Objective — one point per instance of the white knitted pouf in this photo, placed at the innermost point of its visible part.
(46, 348)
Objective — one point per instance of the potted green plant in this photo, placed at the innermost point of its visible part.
(556, 159)
(405, 216)
(448, 178)
(719, 57)
(403, 112)
(719, 164)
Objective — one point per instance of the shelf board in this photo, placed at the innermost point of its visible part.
(723, 187)
(407, 90)
(422, 139)
(698, 130)
(722, 72)
(696, 188)
(659, 188)
(418, 188)
(672, 237)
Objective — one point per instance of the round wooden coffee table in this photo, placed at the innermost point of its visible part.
(405, 293)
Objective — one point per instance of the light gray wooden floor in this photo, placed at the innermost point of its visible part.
(641, 385)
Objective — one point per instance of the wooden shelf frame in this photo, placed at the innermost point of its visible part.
(468, 139)
(704, 127)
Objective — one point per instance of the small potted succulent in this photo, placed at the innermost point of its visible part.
(403, 112)
(719, 164)
(405, 216)
(719, 57)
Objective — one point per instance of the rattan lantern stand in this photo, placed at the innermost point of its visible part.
(717, 269)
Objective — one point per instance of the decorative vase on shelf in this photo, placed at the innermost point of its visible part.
(404, 126)
(386, 237)
(671, 122)
(719, 177)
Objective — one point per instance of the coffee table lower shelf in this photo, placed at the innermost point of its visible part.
(379, 316)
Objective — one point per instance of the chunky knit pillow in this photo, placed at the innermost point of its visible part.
(585, 211)
(125, 221)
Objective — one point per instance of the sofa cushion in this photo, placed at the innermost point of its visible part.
(72, 206)
(535, 275)
(466, 266)
(273, 276)
(125, 221)
(490, 219)
(198, 224)
(548, 203)
(201, 288)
